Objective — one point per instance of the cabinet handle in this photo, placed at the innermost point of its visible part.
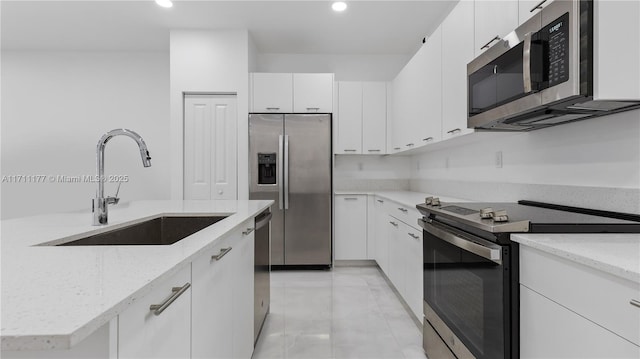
(379, 200)
(396, 148)
(223, 252)
(455, 130)
(349, 150)
(428, 139)
(350, 199)
(373, 150)
(635, 303)
(414, 236)
(248, 231)
(313, 108)
(273, 108)
(394, 223)
(489, 43)
(539, 6)
(403, 209)
(177, 291)
(409, 144)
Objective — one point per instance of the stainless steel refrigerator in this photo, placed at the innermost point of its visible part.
(290, 163)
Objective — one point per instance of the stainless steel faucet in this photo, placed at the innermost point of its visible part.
(100, 203)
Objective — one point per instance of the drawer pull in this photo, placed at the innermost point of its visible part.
(454, 131)
(177, 291)
(349, 150)
(379, 200)
(538, 7)
(396, 148)
(350, 199)
(248, 231)
(409, 144)
(373, 150)
(414, 236)
(313, 108)
(635, 303)
(394, 224)
(223, 252)
(489, 43)
(428, 139)
(403, 209)
(273, 108)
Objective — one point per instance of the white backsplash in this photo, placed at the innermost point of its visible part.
(371, 173)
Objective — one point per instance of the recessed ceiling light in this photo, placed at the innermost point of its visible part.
(339, 6)
(164, 3)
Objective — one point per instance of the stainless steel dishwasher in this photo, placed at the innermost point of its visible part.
(262, 268)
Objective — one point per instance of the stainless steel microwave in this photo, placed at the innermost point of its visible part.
(539, 75)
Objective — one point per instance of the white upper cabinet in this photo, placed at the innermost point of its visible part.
(374, 117)
(313, 93)
(349, 129)
(428, 116)
(457, 51)
(493, 19)
(362, 118)
(291, 93)
(616, 50)
(528, 8)
(272, 92)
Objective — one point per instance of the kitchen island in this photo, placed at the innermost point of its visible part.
(54, 297)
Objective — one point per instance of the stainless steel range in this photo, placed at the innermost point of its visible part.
(471, 301)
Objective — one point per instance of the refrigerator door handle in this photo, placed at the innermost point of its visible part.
(280, 177)
(286, 171)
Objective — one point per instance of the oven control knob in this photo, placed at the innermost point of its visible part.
(435, 201)
(500, 216)
(428, 200)
(486, 212)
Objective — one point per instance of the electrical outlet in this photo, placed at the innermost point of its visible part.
(499, 159)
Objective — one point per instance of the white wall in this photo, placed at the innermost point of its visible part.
(593, 163)
(346, 67)
(55, 107)
(209, 61)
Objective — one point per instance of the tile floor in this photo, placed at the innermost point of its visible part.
(349, 312)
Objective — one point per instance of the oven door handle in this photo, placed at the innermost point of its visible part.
(477, 246)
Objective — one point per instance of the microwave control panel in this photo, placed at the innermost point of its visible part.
(557, 40)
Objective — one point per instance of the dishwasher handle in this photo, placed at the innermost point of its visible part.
(263, 219)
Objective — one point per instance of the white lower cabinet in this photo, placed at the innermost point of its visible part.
(381, 234)
(242, 278)
(350, 227)
(212, 294)
(581, 313)
(163, 332)
(397, 259)
(405, 263)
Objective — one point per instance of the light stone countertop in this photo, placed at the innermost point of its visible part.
(54, 297)
(407, 198)
(614, 253)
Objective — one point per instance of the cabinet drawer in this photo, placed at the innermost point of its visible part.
(598, 296)
(408, 215)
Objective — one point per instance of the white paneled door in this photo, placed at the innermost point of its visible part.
(210, 147)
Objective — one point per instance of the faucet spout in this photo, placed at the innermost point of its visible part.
(100, 203)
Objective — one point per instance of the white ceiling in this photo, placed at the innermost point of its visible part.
(303, 27)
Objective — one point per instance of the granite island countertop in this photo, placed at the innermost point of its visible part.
(54, 297)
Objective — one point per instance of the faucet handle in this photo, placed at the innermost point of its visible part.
(114, 199)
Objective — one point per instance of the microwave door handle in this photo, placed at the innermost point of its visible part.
(526, 63)
(480, 247)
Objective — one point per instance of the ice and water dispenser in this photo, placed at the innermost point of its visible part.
(267, 168)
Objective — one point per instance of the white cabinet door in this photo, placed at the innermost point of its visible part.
(350, 227)
(371, 227)
(428, 106)
(349, 137)
(397, 259)
(381, 234)
(374, 118)
(493, 18)
(312, 93)
(413, 270)
(549, 330)
(242, 260)
(272, 92)
(528, 8)
(160, 333)
(457, 51)
(212, 300)
(210, 147)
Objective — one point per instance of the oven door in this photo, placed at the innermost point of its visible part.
(466, 291)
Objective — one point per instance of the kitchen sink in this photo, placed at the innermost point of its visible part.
(158, 231)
